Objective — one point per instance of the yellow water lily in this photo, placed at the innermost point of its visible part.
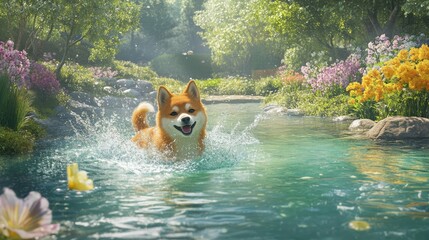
(28, 218)
(78, 180)
(359, 225)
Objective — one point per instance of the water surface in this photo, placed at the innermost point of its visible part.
(261, 177)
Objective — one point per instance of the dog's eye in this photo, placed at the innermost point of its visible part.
(191, 110)
(173, 114)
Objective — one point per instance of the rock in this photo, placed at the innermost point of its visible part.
(396, 128)
(144, 86)
(343, 118)
(132, 93)
(274, 109)
(125, 83)
(109, 89)
(83, 97)
(294, 112)
(361, 125)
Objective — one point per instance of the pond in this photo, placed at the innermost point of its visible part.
(261, 177)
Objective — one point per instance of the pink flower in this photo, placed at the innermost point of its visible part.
(25, 218)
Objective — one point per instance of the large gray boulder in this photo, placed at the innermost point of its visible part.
(394, 128)
(361, 125)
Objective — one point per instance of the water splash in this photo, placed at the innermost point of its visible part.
(106, 143)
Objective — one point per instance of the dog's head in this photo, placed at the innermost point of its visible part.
(181, 115)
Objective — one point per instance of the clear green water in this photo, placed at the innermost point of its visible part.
(262, 177)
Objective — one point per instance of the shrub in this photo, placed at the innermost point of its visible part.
(15, 142)
(236, 86)
(171, 84)
(15, 104)
(266, 86)
(14, 63)
(43, 80)
(126, 69)
(400, 87)
(209, 86)
(183, 66)
(77, 78)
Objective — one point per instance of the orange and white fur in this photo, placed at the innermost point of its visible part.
(180, 123)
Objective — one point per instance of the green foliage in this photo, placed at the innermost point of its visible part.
(15, 142)
(131, 70)
(171, 84)
(182, 66)
(78, 78)
(266, 86)
(301, 96)
(209, 86)
(15, 104)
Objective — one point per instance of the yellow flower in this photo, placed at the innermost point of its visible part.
(402, 55)
(388, 71)
(424, 52)
(414, 54)
(78, 180)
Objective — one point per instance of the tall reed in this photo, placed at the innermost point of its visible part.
(15, 104)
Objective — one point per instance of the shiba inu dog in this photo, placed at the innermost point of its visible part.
(180, 123)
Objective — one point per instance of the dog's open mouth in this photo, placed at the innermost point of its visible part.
(186, 129)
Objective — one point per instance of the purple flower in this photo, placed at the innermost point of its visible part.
(338, 74)
(25, 218)
(43, 80)
(14, 63)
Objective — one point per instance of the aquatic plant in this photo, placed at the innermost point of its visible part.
(78, 180)
(26, 218)
(14, 63)
(401, 85)
(42, 79)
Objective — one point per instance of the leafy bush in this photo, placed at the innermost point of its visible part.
(183, 66)
(401, 86)
(237, 86)
(209, 86)
(126, 69)
(78, 78)
(171, 84)
(266, 86)
(13, 142)
(15, 104)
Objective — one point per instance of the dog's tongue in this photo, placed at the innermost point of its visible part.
(187, 129)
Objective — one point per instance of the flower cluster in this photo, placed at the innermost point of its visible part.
(408, 71)
(14, 63)
(383, 48)
(338, 74)
(42, 79)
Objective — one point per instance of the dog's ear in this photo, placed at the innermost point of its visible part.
(163, 96)
(192, 90)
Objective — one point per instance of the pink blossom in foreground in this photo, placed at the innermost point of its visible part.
(26, 218)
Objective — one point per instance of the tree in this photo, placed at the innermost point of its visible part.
(100, 22)
(232, 29)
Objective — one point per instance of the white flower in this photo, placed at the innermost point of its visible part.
(25, 218)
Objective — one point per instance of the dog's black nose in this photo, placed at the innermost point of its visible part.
(186, 120)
